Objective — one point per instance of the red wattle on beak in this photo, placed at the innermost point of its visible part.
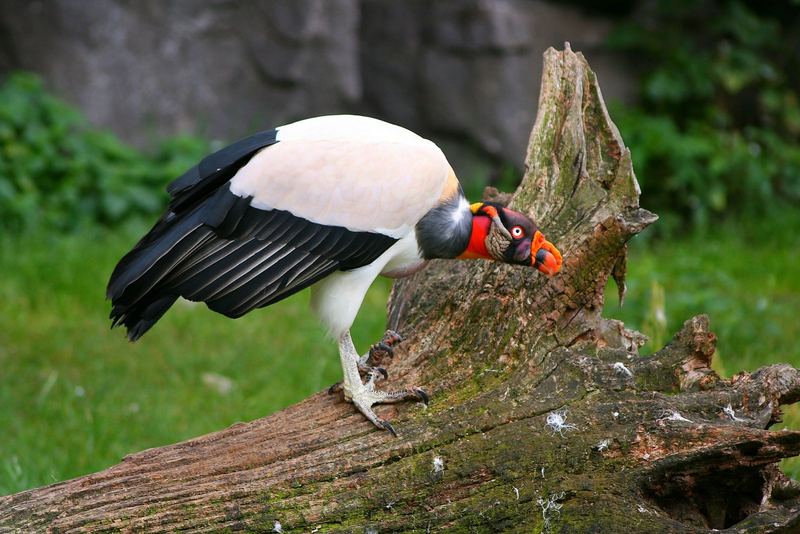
(544, 255)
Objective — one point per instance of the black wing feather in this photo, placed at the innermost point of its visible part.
(195, 186)
(230, 255)
(215, 170)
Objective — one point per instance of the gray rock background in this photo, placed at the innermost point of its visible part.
(465, 72)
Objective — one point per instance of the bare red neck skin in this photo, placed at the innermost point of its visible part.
(477, 239)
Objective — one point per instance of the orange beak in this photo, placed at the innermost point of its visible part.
(544, 255)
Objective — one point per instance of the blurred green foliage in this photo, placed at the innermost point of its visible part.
(717, 127)
(56, 171)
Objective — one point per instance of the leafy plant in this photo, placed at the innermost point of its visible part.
(717, 127)
(56, 171)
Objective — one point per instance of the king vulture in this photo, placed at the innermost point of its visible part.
(328, 202)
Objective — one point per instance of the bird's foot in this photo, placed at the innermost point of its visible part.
(366, 371)
(379, 352)
(364, 396)
(363, 393)
(369, 364)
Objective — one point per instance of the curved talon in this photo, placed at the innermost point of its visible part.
(365, 396)
(369, 370)
(335, 388)
(386, 425)
(378, 350)
(385, 346)
(391, 338)
(361, 390)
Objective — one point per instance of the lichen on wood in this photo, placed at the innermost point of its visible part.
(655, 443)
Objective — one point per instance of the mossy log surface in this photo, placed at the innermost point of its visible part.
(635, 444)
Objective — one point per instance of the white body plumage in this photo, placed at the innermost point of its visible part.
(359, 173)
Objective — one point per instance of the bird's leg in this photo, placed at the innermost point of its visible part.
(370, 363)
(363, 394)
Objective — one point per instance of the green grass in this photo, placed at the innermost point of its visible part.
(76, 397)
(746, 279)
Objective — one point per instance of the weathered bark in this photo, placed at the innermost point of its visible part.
(648, 444)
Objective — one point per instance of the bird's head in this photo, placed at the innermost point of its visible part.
(502, 234)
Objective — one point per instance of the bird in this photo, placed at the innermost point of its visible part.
(330, 203)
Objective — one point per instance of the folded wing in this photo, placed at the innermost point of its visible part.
(266, 217)
(234, 258)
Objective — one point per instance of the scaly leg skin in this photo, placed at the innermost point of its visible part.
(370, 363)
(363, 394)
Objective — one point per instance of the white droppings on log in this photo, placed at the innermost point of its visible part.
(438, 464)
(551, 508)
(620, 369)
(728, 410)
(556, 422)
(674, 415)
(603, 445)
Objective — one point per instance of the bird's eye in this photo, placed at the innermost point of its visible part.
(517, 232)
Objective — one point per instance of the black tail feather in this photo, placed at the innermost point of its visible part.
(139, 318)
(135, 287)
(137, 298)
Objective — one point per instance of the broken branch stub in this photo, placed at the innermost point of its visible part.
(543, 415)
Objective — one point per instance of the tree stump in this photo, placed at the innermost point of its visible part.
(544, 417)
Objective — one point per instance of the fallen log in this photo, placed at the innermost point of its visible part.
(544, 416)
